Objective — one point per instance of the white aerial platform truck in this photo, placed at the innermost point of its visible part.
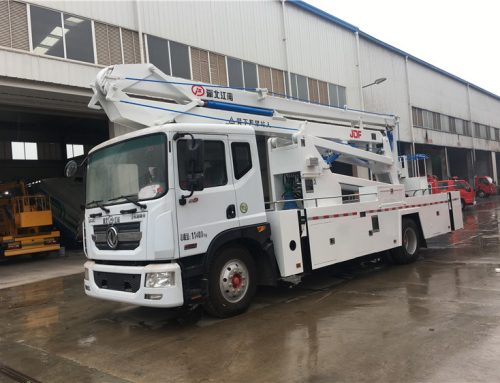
(219, 190)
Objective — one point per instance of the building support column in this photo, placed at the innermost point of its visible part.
(446, 163)
(494, 167)
(408, 95)
(472, 128)
(470, 166)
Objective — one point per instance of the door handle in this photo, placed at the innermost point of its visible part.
(230, 212)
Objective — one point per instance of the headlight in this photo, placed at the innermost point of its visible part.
(163, 279)
(86, 276)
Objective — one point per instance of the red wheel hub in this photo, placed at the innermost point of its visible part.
(236, 281)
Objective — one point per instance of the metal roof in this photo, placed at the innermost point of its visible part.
(326, 16)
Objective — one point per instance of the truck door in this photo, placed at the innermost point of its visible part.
(212, 210)
(247, 180)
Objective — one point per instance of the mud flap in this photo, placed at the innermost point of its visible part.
(450, 210)
(455, 211)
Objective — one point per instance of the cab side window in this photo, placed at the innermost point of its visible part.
(242, 158)
(214, 164)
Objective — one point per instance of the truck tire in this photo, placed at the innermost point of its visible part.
(463, 204)
(409, 249)
(232, 282)
(481, 194)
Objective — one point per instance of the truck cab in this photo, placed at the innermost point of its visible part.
(484, 186)
(165, 199)
(467, 194)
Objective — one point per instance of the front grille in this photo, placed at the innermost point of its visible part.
(129, 236)
(116, 281)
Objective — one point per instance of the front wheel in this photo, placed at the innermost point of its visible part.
(481, 194)
(231, 282)
(409, 249)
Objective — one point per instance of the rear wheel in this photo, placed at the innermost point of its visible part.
(409, 249)
(481, 194)
(231, 282)
(463, 204)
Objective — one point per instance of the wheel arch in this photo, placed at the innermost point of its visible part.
(415, 217)
(257, 240)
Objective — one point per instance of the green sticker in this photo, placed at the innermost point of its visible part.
(243, 207)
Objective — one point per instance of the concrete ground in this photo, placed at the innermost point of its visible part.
(437, 320)
(21, 270)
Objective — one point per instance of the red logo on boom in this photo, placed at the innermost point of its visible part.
(198, 90)
(355, 133)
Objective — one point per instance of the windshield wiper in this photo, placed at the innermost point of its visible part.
(106, 210)
(127, 197)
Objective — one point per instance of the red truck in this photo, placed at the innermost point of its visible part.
(467, 194)
(484, 186)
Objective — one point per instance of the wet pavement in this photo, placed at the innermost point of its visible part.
(437, 320)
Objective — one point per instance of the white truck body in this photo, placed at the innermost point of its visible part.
(269, 192)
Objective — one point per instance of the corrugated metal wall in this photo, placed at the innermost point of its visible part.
(254, 31)
(322, 50)
(484, 109)
(391, 96)
(433, 91)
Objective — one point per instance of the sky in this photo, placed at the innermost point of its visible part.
(460, 37)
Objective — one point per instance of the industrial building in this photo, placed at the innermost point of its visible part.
(50, 51)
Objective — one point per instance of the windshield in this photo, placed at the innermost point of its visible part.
(462, 185)
(133, 169)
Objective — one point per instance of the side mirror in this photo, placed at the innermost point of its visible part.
(196, 181)
(196, 150)
(70, 169)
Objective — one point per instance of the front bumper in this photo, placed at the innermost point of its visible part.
(171, 296)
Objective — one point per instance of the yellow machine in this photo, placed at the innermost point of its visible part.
(25, 222)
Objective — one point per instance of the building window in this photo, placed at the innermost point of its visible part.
(265, 78)
(78, 37)
(250, 75)
(158, 53)
(481, 131)
(278, 82)
(302, 88)
(342, 96)
(131, 49)
(313, 90)
(235, 73)
(179, 56)
(200, 65)
(418, 118)
(14, 25)
(24, 151)
(467, 131)
(218, 73)
(445, 123)
(323, 92)
(74, 150)
(492, 133)
(337, 95)
(46, 32)
(436, 121)
(458, 125)
(428, 119)
(108, 44)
